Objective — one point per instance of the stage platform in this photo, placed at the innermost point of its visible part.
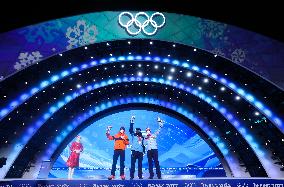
(202, 182)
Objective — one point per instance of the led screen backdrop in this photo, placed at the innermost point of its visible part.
(181, 150)
(25, 46)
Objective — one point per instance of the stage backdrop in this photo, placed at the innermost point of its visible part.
(25, 46)
(181, 150)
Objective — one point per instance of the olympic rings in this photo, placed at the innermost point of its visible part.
(141, 26)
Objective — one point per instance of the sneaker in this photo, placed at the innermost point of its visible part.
(111, 177)
(140, 177)
(122, 177)
(150, 177)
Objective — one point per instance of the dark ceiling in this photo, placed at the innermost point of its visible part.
(264, 18)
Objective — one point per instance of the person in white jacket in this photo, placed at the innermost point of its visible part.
(152, 149)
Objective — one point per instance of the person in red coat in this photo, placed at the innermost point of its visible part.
(73, 160)
(120, 142)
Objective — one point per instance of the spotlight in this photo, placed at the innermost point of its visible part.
(199, 88)
(107, 44)
(205, 80)
(222, 88)
(149, 52)
(215, 55)
(188, 74)
(92, 57)
(173, 70)
(60, 54)
(238, 97)
(256, 113)
(110, 54)
(156, 66)
(151, 43)
(139, 65)
(78, 85)
(194, 49)
(169, 55)
(86, 47)
(129, 42)
(140, 74)
(170, 77)
(174, 45)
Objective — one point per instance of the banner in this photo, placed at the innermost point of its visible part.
(146, 183)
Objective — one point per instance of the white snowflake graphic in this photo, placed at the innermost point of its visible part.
(218, 52)
(27, 58)
(212, 29)
(238, 55)
(81, 34)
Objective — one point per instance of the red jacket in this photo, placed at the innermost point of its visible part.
(121, 140)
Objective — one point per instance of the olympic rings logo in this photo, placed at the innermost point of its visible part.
(141, 26)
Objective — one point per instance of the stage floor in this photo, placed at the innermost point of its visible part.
(202, 182)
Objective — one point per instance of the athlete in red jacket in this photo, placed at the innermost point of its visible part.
(120, 142)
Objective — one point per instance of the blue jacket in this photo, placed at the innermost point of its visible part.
(137, 142)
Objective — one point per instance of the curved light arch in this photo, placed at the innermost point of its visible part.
(192, 67)
(262, 154)
(229, 157)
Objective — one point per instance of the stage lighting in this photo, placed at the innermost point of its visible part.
(238, 97)
(222, 88)
(170, 77)
(189, 74)
(256, 113)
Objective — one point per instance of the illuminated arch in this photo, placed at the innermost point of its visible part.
(129, 58)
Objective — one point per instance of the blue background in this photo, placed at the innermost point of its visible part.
(181, 150)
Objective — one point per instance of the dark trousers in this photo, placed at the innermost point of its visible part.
(153, 156)
(116, 154)
(136, 155)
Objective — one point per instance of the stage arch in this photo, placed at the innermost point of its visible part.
(31, 104)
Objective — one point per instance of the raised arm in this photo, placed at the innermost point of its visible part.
(161, 124)
(131, 131)
(108, 133)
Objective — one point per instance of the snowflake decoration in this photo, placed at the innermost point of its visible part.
(218, 52)
(81, 34)
(212, 29)
(238, 55)
(42, 33)
(27, 58)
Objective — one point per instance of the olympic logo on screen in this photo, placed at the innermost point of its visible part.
(141, 26)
